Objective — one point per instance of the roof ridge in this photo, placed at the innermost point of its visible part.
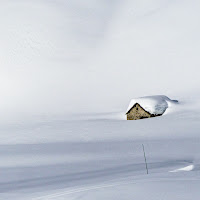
(140, 106)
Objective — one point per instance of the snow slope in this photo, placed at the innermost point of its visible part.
(74, 57)
(67, 72)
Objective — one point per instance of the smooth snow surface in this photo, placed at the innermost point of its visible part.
(153, 104)
(68, 69)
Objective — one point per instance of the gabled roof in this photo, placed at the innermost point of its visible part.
(140, 107)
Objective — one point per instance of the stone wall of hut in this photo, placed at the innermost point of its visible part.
(137, 112)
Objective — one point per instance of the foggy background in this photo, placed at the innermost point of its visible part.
(62, 57)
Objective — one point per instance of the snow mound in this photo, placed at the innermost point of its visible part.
(156, 104)
(187, 169)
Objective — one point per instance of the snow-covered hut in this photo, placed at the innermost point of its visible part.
(149, 106)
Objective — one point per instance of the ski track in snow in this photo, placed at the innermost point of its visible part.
(84, 189)
(120, 182)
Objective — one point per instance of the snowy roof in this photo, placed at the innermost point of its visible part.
(153, 104)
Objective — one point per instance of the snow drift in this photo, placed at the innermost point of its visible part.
(153, 104)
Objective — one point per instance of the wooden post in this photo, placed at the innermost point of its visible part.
(145, 158)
